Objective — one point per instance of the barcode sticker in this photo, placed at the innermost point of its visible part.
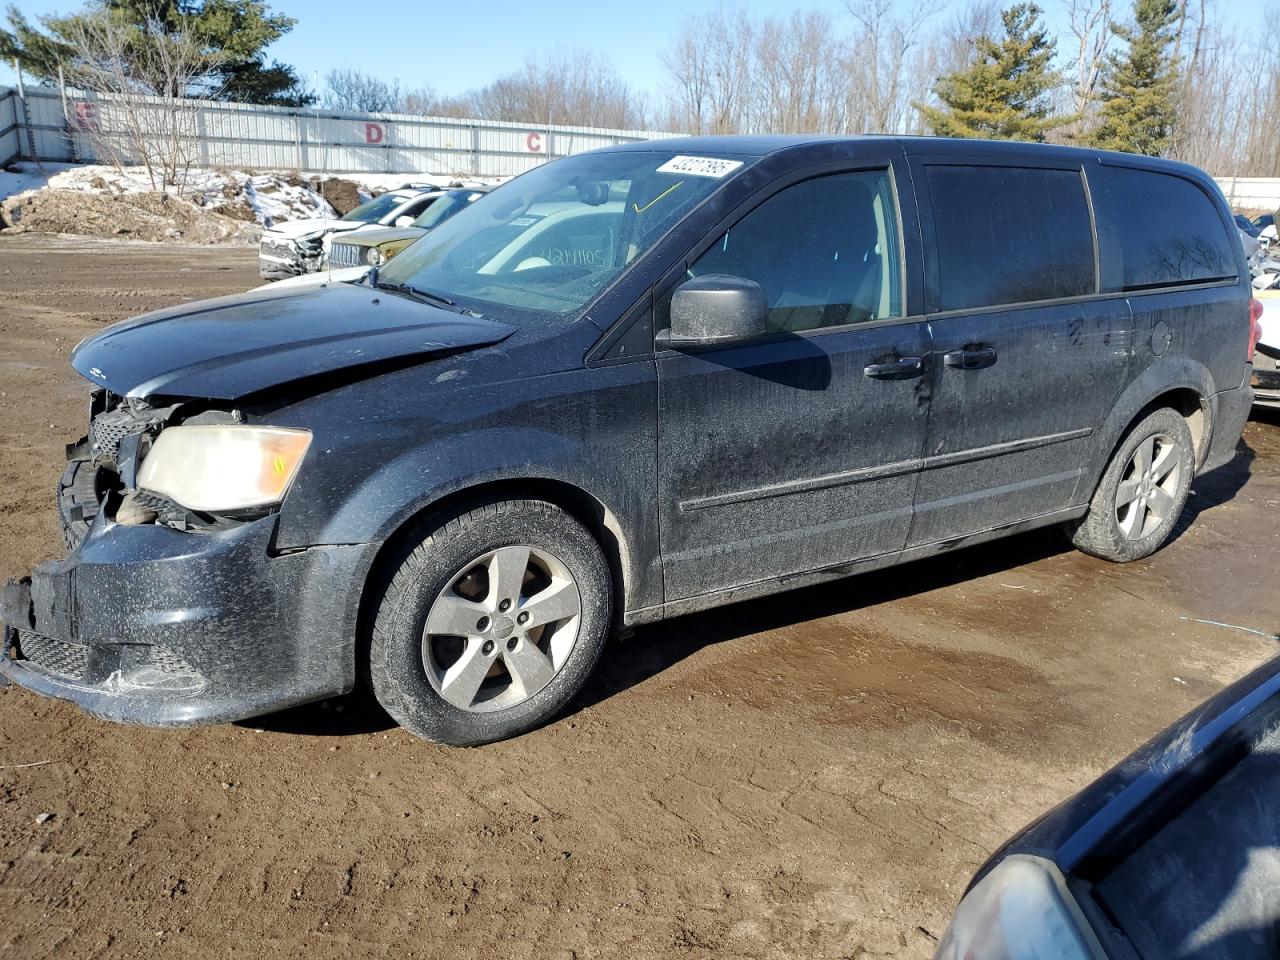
(700, 166)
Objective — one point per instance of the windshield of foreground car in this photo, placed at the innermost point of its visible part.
(371, 211)
(550, 240)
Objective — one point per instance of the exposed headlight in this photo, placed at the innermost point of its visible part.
(373, 257)
(216, 469)
(1021, 910)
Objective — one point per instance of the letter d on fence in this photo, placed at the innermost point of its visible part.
(373, 133)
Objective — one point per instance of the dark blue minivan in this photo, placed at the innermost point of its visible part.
(629, 384)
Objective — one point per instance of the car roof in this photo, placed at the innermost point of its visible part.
(763, 145)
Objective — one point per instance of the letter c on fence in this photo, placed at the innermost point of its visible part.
(373, 133)
(533, 142)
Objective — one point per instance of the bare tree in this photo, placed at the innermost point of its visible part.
(797, 85)
(710, 67)
(1090, 24)
(567, 87)
(884, 74)
(1229, 106)
(354, 90)
(140, 82)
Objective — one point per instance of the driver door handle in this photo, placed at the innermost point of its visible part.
(970, 358)
(905, 368)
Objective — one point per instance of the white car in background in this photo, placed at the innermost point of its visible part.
(299, 246)
(1266, 354)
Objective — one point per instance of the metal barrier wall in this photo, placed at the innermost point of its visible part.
(1251, 192)
(284, 138)
(9, 143)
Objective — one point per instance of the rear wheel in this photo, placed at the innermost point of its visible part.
(491, 623)
(1142, 491)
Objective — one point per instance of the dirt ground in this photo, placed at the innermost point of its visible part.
(815, 775)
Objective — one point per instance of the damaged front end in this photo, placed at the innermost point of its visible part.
(166, 614)
(280, 257)
(176, 605)
(102, 467)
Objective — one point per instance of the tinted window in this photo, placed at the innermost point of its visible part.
(825, 252)
(1167, 230)
(544, 244)
(375, 209)
(1009, 235)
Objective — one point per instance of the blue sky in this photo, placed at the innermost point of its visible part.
(451, 48)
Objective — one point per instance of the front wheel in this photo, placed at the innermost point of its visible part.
(1142, 491)
(491, 624)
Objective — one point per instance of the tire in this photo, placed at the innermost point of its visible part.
(1121, 529)
(453, 579)
(79, 494)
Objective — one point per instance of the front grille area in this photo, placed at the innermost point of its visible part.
(106, 430)
(58, 657)
(278, 248)
(346, 255)
(134, 664)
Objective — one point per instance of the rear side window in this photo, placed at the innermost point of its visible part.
(1009, 235)
(1167, 230)
(825, 252)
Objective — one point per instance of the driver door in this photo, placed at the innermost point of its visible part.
(800, 450)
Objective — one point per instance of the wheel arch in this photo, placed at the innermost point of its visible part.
(1189, 393)
(582, 506)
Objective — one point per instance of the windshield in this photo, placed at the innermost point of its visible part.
(446, 207)
(550, 240)
(374, 210)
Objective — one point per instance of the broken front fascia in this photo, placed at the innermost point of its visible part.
(103, 468)
(145, 623)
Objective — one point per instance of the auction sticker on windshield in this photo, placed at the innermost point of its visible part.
(700, 166)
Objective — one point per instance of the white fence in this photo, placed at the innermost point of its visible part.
(284, 138)
(9, 129)
(1251, 192)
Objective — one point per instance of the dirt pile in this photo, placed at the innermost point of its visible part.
(343, 195)
(129, 216)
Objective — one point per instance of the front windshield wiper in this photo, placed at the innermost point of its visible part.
(426, 296)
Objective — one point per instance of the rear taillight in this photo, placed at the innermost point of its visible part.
(1255, 326)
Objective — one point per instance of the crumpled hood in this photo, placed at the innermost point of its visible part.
(232, 346)
(294, 229)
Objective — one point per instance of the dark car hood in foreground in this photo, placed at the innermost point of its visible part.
(226, 348)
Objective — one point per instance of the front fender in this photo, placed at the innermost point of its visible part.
(390, 450)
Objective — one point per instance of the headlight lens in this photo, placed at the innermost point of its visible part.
(373, 257)
(1019, 911)
(216, 469)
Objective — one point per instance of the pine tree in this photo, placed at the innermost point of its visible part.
(1005, 94)
(1139, 82)
(238, 31)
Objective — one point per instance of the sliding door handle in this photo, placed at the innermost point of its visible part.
(905, 368)
(970, 358)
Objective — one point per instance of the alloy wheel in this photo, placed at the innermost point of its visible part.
(1148, 489)
(502, 628)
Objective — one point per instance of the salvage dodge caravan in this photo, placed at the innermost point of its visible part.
(629, 384)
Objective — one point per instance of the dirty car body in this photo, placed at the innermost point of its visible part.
(693, 364)
(1172, 853)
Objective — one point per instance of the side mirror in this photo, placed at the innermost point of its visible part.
(404, 221)
(716, 308)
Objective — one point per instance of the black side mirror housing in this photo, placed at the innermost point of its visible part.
(716, 308)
